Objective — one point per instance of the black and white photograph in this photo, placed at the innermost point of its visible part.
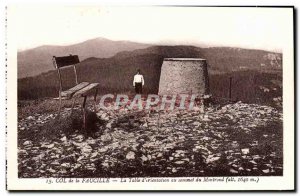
(150, 94)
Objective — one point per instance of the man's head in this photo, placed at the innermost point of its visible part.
(138, 71)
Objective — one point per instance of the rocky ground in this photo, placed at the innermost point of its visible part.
(234, 139)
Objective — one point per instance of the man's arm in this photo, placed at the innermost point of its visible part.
(143, 80)
(133, 83)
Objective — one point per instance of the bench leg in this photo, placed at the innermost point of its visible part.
(95, 100)
(84, 112)
(59, 107)
(73, 103)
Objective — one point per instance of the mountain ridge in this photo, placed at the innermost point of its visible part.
(37, 60)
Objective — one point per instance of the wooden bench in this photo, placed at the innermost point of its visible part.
(82, 89)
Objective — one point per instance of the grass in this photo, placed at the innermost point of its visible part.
(64, 125)
(45, 105)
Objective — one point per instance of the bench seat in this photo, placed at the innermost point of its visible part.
(86, 90)
(68, 94)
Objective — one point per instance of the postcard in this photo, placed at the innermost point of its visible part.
(150, 98)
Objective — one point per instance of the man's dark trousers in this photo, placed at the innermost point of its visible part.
(138, 88)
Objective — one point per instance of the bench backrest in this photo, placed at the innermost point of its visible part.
(64, 61)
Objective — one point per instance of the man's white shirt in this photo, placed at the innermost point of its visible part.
(139, 79)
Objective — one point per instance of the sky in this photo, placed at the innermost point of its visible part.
(258, 28)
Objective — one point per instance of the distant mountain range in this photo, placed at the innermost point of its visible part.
(115, 74)
(35, 61)
(38, 60)
(219, 58)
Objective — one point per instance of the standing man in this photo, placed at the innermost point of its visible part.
(138, 82)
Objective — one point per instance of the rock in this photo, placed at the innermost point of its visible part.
(179, 162)
(196, 123)
(91, 167)
(130, 155)
(86, 149)
(174, 170)
(233, 171)
(198, 109)
(205, 118)
(49, 146)
(79, 138)
(266, 171)
(180, 151)
(63, 171)
(67, 165)
(159, 155)
(55, 163)
(80, 158)
(39, 157)
(77, 165)
(255, 143)
(253, 162)
(91, 141)
(30, 118)
(144, 158)
(106, 138)
(108, 125)
(93, 155)
(64, 139)
(51, 170)
(212, 158)
(229, 116)
(104, 149)
(245, 151)
(197, 147)
(22, 152)
(28, 142)
(104, 117)
(256, 157)
(272, 171)
(205, 138)
(105, 164)
(77, 144)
